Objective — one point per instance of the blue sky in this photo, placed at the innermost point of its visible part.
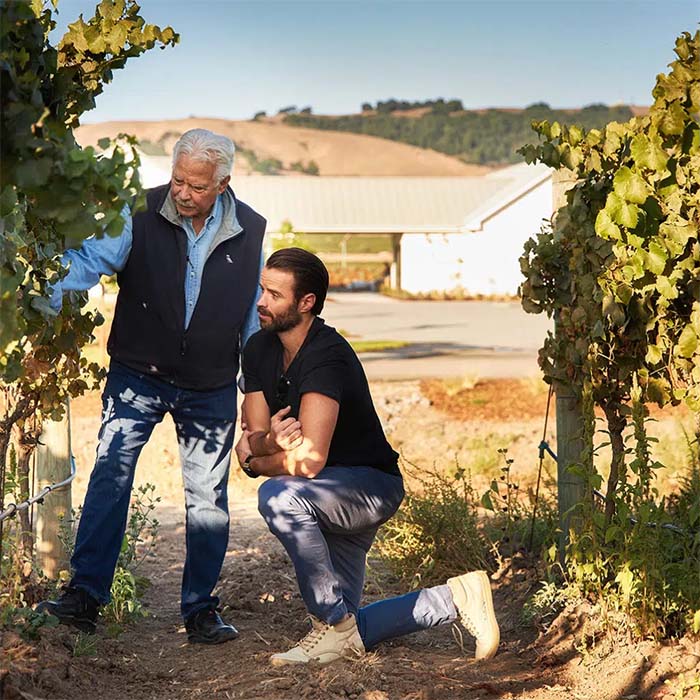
(237, 57)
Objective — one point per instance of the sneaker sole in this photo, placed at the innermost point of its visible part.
(321, 660)
(461, 596)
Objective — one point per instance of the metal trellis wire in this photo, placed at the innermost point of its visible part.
(14, 508)
(544, 447)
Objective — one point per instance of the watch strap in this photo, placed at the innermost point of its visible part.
(246, 468)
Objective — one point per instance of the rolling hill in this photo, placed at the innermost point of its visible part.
(292, 148)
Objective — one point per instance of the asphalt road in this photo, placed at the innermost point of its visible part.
(447, 338)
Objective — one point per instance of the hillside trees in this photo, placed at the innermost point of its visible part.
(488, 137)
(53, 194)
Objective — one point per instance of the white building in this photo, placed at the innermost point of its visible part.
(449, 233)
(480, 256)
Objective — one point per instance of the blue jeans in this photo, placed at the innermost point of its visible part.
(133, 403)
(327, 525)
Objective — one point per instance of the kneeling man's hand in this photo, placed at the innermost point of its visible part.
(285, 432)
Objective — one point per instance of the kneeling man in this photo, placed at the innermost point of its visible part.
(310, 424)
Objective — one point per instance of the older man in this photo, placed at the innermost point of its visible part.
(188, 270)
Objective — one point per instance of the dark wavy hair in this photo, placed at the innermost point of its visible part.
(310, 274)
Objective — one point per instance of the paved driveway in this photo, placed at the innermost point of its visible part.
(448, 338)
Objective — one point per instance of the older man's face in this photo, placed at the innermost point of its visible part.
(194, 187)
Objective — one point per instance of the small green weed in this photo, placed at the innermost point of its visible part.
(138, 544)
(511, 528)
(543, 607)
(141, 530)
(435, 534)
(25, 621)
(684, 684)
(85, 645)
(125, 604)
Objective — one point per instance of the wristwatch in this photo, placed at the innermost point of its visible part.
(245, 467)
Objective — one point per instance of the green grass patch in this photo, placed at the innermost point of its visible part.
(377, 345)
(483, 451)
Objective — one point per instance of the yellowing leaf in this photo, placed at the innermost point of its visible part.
(688, 342)
(695, 95)
(572, 157)
(678, 233)
(628, 215)
(605, 227)
(116, 38)
(593, 137)
(625, 579)
(665, 288)
(593, 161)
(611, 145)
(76, 36)
(630, 186)
(647, 153)
(674, 119)
(111, 9)
(656, 258)
(695, 317)
(575, 135)
(653, 355)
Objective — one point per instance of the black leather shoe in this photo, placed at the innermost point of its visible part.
(206, 627)
(74, 607)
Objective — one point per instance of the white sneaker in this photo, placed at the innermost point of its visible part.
(324, 644)
(471, 594)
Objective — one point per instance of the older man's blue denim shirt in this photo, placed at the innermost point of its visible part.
(197, 248)
(108, 255)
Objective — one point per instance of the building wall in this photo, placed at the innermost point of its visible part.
(481, 262)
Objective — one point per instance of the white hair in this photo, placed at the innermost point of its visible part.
(205, 145)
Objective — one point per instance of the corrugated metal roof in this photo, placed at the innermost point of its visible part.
(375, 204)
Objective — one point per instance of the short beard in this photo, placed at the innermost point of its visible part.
(283, 322)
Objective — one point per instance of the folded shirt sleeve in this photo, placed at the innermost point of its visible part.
(94, 258)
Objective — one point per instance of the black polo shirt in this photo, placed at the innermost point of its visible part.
(325, 364)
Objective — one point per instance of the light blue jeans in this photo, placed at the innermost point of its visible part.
(133, 403)
(327, 525)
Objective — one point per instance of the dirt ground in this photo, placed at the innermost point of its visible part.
(152, 660)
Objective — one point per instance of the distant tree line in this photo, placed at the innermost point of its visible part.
(488, 137)
(439, 106)
(291, 109)
(274, 166)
